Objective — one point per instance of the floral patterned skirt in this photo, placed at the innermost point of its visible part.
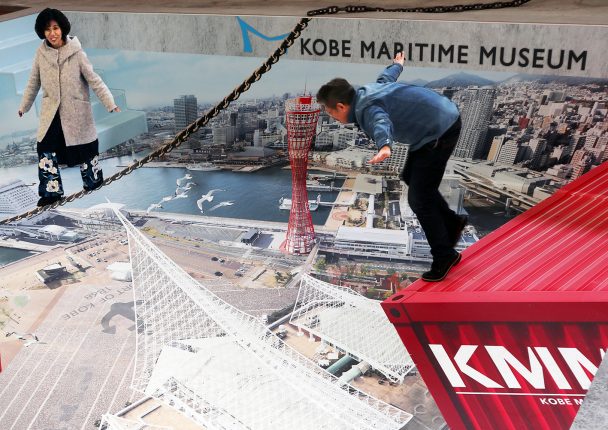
(54, 141)
(53, 151)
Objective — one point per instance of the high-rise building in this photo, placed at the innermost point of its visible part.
(581, 163)
(590, 141)
(224, 135)
(476, 106)
(233, 118)
(538, 147)
(343, 137)
(555, 96)
(246, 122)
(396, 161)
(185, 109)
(509, 153)
(497, 144)
(324, 141)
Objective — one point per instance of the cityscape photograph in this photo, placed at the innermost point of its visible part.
(228, 284)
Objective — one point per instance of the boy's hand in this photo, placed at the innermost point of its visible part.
(399, 58)
(382, 155)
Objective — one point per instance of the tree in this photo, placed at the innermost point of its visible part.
(321, 265)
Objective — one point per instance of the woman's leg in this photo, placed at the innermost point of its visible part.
(50, 188)
(91, 173)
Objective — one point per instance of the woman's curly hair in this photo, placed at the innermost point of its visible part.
(45, 17)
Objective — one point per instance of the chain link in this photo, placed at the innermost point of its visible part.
(253, 78)
(184, 134)
(331, 10)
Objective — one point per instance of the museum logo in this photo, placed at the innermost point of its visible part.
(568, 370)
(247, 30)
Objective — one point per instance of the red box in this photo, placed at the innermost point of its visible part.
(512, 338)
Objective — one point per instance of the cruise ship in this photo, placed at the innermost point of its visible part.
(202, 167)
(285, 204)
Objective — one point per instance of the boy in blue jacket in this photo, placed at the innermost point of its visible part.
(430, 124)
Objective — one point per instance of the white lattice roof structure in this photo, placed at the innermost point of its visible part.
(352, 323)
(112, 422)
(224, 368)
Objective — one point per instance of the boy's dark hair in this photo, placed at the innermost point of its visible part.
(338, 90)
(45, 17)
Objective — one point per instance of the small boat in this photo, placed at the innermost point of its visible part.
(285, 203)
(202, 167)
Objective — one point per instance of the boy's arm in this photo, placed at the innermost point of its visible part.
(378, 120)
(392, 72)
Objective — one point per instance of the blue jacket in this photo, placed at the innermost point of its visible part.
(390, 111)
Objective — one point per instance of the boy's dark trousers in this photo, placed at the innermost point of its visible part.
(423, 172)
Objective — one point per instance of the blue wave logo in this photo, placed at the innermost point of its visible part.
(246, 29)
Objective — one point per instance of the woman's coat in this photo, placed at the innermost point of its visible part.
(65, 75)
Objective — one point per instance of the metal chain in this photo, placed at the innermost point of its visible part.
(186, 133)
(254, 77)
(428, 9)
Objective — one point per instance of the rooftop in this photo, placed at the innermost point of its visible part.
(376, 235)
(368, 184)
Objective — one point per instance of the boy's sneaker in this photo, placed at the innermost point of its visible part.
(439, 270)
(45, 201)
(456, 232)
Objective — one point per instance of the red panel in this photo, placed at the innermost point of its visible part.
(513, 336)
(532, 306)
(558, 245)
(550, 404)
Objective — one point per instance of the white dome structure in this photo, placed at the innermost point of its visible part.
(105, 210)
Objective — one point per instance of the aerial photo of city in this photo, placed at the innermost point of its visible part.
(176, 297)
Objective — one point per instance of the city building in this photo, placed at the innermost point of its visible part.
(350, 158)
(420, 248)
(476, 107)
(395, 163)
(538, 147)
(561, 171)
(370, 243)
(582, 161)
(52, 272)
(185, 108)
(250, 236)
(186, 112)
(409, 244)
(509, 153)
(224, 135)
(369, 184)
(496, 147)
(57, 233)
(521, 181)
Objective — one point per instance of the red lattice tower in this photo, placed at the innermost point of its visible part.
(301, 115)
